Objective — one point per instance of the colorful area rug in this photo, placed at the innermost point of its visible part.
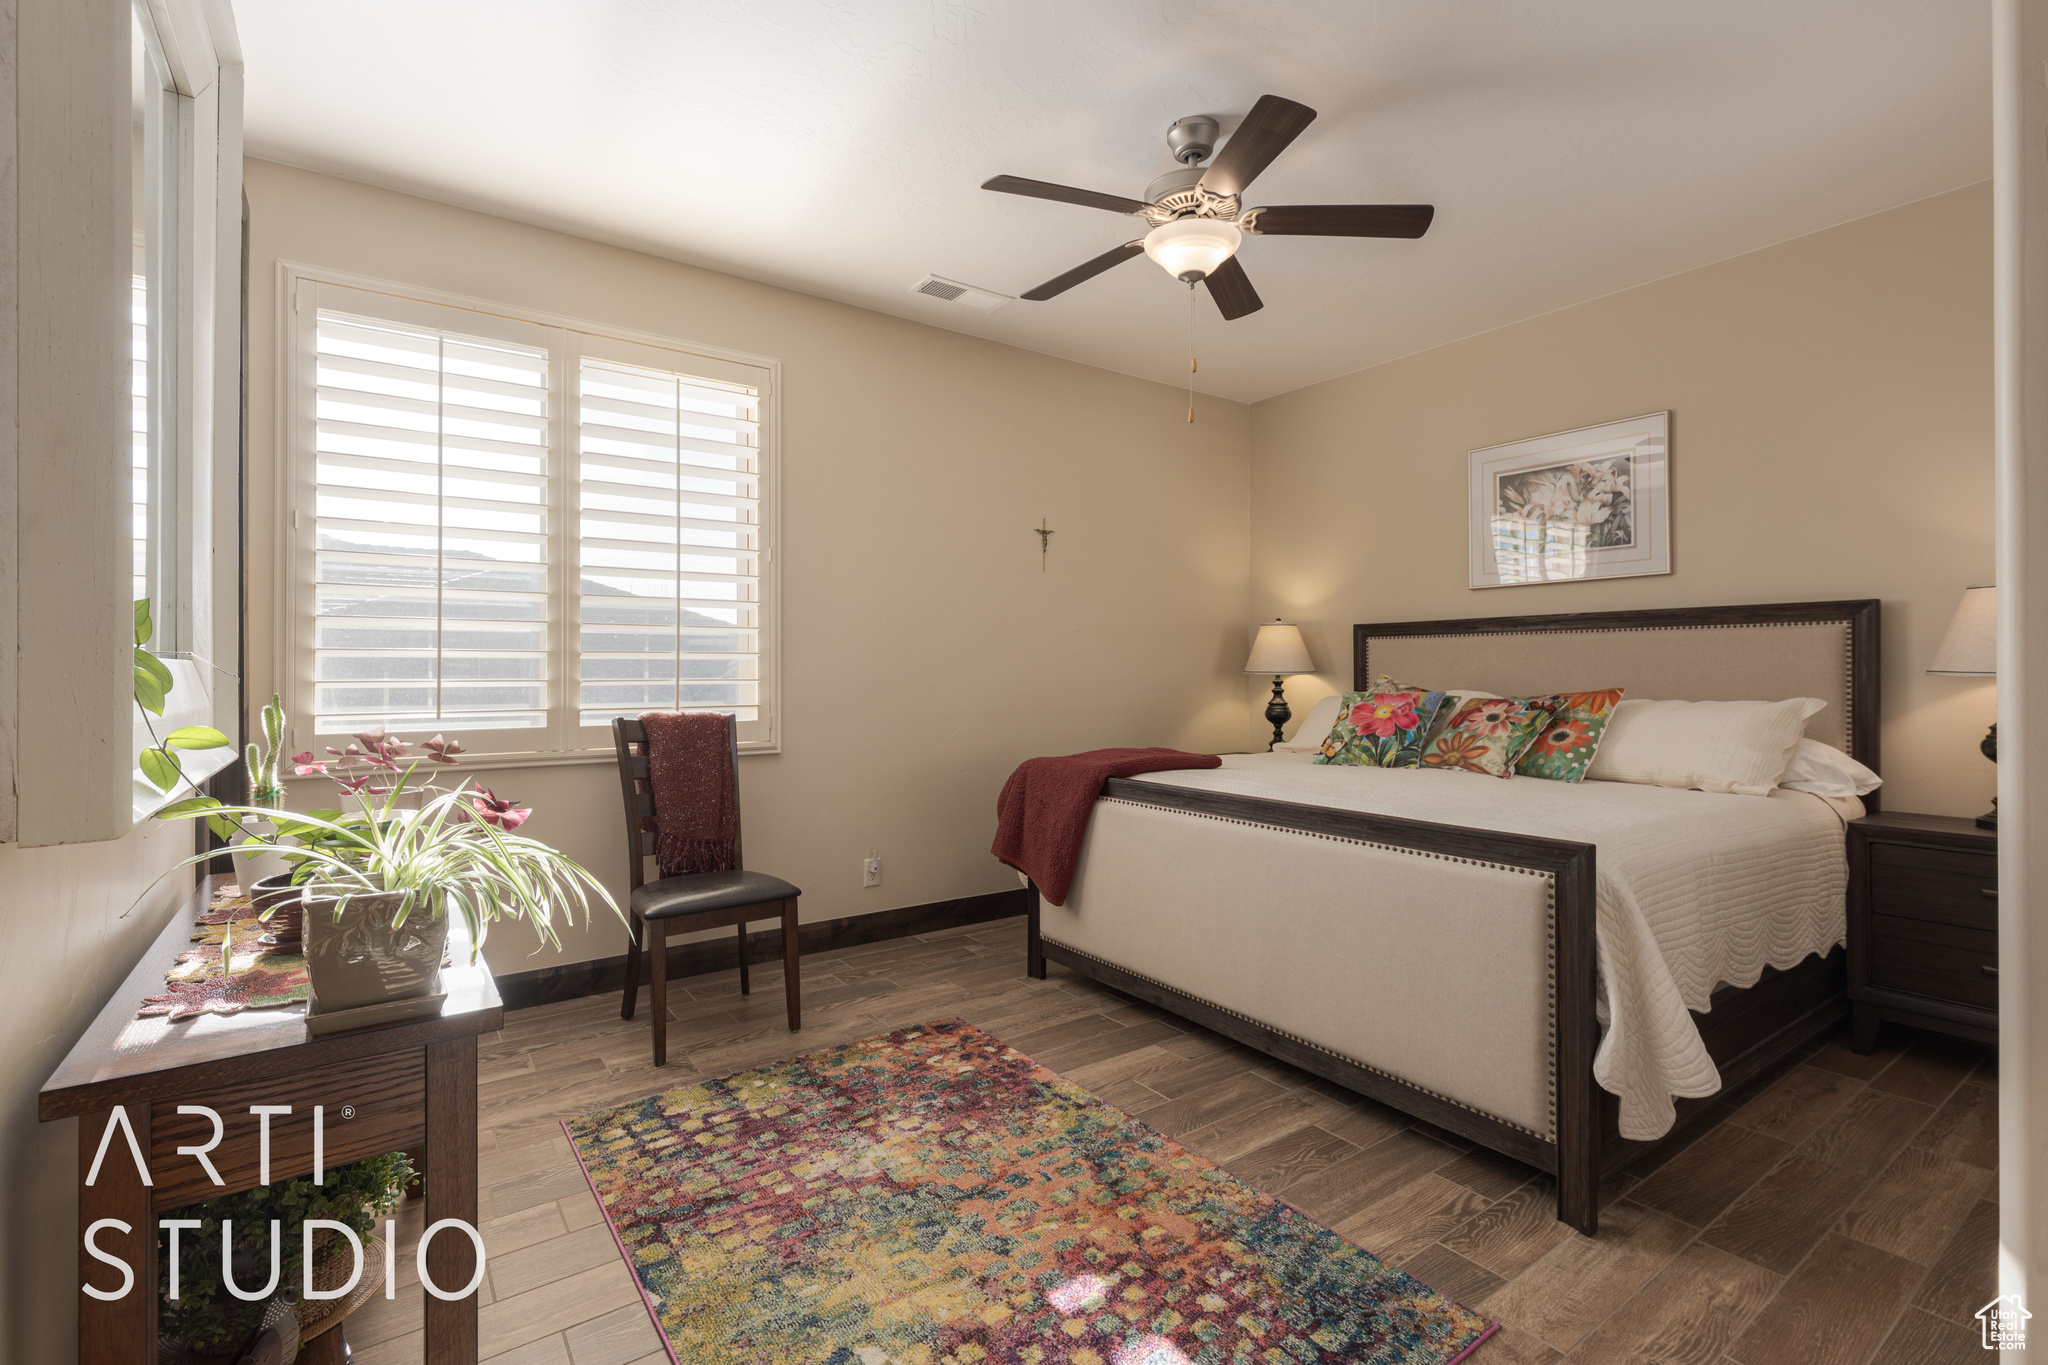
(935, 1197)
(228, 970)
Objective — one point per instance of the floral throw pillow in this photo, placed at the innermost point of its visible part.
(1487, 734)
(1380, 729)
(1454, 700)
(1564, 748)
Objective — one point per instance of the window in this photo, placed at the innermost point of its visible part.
(164, 456)
(138, 422)
(182, 511)
(512, 529)
(668, 544)
(430, 552)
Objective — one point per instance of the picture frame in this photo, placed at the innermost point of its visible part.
(1590, 503)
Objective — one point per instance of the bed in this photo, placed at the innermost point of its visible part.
(1564, 973)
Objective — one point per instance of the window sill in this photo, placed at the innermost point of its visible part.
(199, 764)
(494, 762)
(560, 758)
(189, 702)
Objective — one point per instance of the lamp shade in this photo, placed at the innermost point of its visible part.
(1971, 646)
(1189, 248)
(1278, 648)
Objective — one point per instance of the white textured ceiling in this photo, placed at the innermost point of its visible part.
(1571, 147)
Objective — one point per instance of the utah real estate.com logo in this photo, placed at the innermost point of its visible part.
(2005, 1323)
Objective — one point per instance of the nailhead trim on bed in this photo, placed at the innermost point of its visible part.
(1550, 965)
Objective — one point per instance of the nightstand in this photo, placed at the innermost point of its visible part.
(1923, 925)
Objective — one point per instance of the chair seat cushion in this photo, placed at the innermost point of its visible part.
(701, 891)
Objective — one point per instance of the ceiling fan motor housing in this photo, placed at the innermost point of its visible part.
(1178, 193)
(1180, 181)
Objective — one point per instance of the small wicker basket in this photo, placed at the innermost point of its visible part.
(331, 1271)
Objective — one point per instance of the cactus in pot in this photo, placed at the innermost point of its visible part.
(254, 852)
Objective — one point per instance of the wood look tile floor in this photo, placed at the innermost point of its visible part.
(1844, 1213)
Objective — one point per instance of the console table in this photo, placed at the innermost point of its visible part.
(404, 1087)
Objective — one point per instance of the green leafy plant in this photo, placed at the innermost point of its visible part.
(451, 853)
(159, 762)
(265, 786)
(208, 1319)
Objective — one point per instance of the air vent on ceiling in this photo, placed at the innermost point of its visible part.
(952, 291)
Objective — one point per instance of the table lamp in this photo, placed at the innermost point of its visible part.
(1970, 650)
(1278, 649)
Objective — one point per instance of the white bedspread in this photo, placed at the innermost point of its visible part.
(1694, 889)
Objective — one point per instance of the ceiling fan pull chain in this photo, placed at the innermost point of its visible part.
(1191, 350)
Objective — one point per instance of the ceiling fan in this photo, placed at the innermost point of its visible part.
(1198, 220)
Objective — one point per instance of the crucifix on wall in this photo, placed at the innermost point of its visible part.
(1044, 541)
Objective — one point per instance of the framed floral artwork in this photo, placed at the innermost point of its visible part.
(1592, 503)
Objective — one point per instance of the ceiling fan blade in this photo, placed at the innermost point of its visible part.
(1087, 270)
(1340, 220)
(1232, 290)
(1264, 134)
(1065, 194)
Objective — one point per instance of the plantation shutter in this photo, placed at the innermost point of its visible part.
(511, 530)
(430, 563)
(668, 540)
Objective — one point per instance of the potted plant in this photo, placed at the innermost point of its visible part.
(381, 881)
(160, 763)
(205, 1320)
(254, 862)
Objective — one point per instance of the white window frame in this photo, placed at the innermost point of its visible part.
(192, 250)
(302, 291)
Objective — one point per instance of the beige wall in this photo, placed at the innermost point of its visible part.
(1831, 438)
(70, 922)
(925, 654)
(71, 928)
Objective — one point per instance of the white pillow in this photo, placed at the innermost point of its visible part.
(1315, 727)
(1825, 770)
(1715, 746)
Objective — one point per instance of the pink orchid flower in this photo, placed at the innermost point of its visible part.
(494, 810)
(443, 750)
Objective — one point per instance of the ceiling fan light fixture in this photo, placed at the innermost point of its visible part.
(1190, 248)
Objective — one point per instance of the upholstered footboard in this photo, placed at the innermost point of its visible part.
(1446, 971)
(1433, 970)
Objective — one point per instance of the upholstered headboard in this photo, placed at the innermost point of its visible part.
(1757, 653)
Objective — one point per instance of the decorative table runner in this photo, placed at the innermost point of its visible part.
(230, 969)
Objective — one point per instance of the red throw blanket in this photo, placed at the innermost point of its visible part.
(1043, 811)
(696, 807)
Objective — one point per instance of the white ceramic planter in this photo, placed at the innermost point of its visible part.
(362, 959)
(251, 868)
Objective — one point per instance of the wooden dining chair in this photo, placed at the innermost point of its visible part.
(695, 900)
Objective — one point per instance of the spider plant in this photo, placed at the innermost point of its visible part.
(448, 855)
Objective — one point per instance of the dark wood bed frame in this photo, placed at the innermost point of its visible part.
(1747, 1032)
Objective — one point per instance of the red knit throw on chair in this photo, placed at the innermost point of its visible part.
(696, 808)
